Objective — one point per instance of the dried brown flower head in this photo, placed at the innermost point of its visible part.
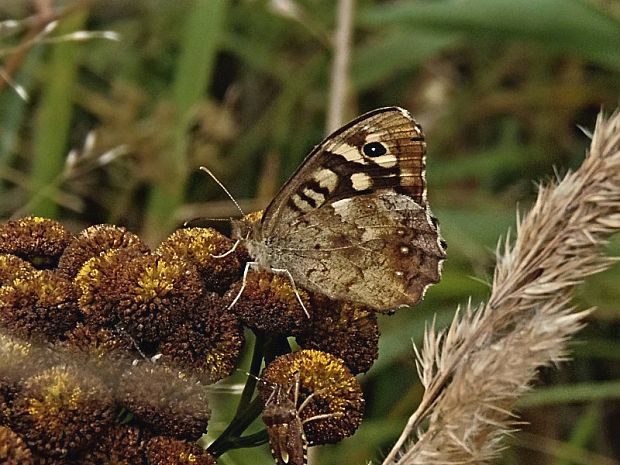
(348, 331)
(11, 267)
(39, 241)
(108, 351)
(122, 445)
(62, 411)
(97, 342)
(148, 294)
(198, 246)
(156, 295)
(92, 241)
(14, 357)
(333, 389)
(167, 451)
(208, 343)
(270, 303)
(98, 286)
(41, 304)
(167, 401)
(13, 451)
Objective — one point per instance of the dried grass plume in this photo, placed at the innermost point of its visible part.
(475, 371)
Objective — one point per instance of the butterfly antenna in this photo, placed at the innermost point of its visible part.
(188, 223)
(219, 183)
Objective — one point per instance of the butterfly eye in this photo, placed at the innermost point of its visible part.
(374, 149)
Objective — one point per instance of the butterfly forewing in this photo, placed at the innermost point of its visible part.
(345, 165)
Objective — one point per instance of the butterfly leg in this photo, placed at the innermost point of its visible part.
(288, 273)
(228, 252)
(322, 416)
(248, 265)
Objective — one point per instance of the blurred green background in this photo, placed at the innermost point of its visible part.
(501, 87)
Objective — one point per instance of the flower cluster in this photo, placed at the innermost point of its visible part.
(107, 345)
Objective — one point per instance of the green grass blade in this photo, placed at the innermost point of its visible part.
(53, 123)
(201, 40)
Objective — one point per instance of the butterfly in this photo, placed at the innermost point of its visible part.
(353, 222)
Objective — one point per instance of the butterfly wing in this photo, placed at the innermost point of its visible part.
(382, 149)
(353, 222)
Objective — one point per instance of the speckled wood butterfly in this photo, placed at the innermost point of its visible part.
(353, 222)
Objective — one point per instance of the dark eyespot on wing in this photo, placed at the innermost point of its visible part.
(374, 149)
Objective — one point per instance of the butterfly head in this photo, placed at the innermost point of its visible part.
(245, 227)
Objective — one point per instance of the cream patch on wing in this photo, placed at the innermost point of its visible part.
(314, 195)
(349, 152)
(302, 204)
(361, 181)
(327, 179)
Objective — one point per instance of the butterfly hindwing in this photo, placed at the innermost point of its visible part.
(382, 250)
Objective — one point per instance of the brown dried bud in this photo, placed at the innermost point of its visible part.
(93, 241)
(156, 295)
(11, 267)
(15, 355)
(39, 241)
(269, 302)
(208, 344)
(166, 400)
(62, 411)
(198, 246)
(167, 451)
(330, 386)
(108, 351)
(347, 330)
(98, 286)
(41, 305)
(122, 445)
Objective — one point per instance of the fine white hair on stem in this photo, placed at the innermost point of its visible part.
(474, 372)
